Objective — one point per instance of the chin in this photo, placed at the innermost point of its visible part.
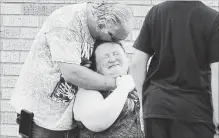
(114, 75)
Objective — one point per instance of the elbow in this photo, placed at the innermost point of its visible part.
(66, 76)
(99, 129)
(92, 124)
(69, 71)
(96, 123)
(70, 77)
(95, 126)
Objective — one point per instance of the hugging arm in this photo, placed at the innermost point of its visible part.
(66, 49)
(96, 113)
(86, 78)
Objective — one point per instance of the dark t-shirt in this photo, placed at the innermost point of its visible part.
(183, 39)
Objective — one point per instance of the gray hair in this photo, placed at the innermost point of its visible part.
(112, 14)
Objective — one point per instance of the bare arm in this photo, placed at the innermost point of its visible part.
(215, 90)
(66, 51)
(97, 113)
(86, 78)
(139, 70)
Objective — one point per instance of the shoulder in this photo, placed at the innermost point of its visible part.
(68, 9)
(88, 94)
(64, 15)
(85, 97)
(152, 13)
(85, 101)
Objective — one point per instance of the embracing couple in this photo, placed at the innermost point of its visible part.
(78, 82)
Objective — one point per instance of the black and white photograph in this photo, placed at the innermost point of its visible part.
(109, 68)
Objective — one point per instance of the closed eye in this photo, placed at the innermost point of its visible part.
(103, 58)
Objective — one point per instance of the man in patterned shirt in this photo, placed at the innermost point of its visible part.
(57, 55)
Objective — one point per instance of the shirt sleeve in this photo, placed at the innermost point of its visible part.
(213, 48)
(143, 41)
(65, 45)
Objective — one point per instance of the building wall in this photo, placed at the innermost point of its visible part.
(20, 21)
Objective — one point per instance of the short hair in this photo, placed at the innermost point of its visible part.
(112, 14)
(93, 56)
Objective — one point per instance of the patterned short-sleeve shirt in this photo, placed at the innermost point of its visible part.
(64, 37)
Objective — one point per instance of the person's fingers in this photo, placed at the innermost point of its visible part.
(217, 129)
(133, 95)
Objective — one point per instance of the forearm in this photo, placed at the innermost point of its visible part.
(138, 70)
(215, 100)
(214, 88)
(139, 73)
(86, 78)
(109, 109)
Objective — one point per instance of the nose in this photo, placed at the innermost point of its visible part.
(112, 59)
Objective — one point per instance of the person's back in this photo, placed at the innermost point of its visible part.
(180, 64)
(182, 36)
(181, 47)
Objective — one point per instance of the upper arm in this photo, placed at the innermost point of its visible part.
(65, 49)
(64, 45)
(139, 69)
(86, 101)
(67, 69)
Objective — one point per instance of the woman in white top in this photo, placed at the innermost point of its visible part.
(108, 114)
